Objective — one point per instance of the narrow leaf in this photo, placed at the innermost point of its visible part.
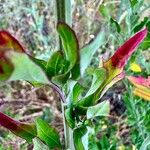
(56, 65)
(145, 144)
(77, 136)
(70, 43)
(24, 130)
(87, 52)
(70, 117)
(48, 134)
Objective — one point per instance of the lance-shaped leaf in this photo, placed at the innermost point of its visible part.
(23, 130)
(114, 68)
(70, 43)
(48, 134)
(142, 86)
(115, 65)
(87, 52)
(71, 52)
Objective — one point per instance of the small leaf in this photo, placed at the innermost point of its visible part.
(70, 118)
(133, 2)
(23, 130)
(56, 65)
(70, 43)
(78, 134)
(87, 52)
(141, 24)
(74, 92)
(101, 109)
(48, 134)
(39, 145)
(41, 63)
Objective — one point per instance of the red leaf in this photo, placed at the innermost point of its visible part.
(121, 56)
(24, 130)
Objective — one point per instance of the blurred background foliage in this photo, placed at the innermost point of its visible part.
(33, 23)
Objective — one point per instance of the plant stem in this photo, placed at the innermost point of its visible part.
(64, 14)
(68, 132)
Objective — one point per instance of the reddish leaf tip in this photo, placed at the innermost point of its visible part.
(121, 56)
(9, 41)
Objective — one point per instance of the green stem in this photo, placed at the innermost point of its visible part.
(68, 132)
(64, 14)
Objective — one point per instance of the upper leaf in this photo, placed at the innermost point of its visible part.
(70, 43)
(115, 65)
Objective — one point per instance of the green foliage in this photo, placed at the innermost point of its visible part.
(65, 71)
(87, 52)
(48, 134)
(101, 109)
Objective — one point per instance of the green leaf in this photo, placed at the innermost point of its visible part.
(87, 52)
(78, 134)
(70, 43)
(99, 75)
(39, 62)
(60, 80)
(141, 25)
(48, 134)
(101, 109)
(75, 90)
(39, 145)
(25, 69)
(23, 130)
(104, 142)
(56, 65)
(70, 118)
(71, 52)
